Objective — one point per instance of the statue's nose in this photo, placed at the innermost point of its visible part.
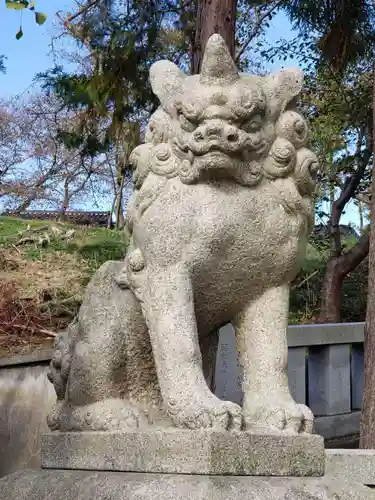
(213, 130)
(216, 131)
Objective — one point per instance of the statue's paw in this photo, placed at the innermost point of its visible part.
(281, 416)
(211, 413)
(59, 367)
(58, 379)
(107, 415)
(54, 416)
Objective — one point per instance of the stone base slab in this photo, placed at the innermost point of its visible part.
(358, 465)
(186, 452)
(88, 485)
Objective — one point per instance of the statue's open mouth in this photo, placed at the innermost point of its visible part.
(238, 150)
(219, 159)
(211, 150)
(217, 149)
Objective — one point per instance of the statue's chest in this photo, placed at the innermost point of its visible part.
(215, 223)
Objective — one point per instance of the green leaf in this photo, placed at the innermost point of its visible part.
(40, 18)
(23, 4)
(32, 6)
(19, 34)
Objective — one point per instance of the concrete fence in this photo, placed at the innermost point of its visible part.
(325, 368)
(325, 372)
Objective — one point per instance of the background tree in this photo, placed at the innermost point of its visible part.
(214, 16)
(36, 168)
(367, 435)
(337, 99)
(347, 40)
(348, 142)
(118, 42)
(239, 22)
(121, 40)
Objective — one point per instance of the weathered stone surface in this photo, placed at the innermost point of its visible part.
(228, 376)
(297, 373)
(186, 452)
(219, 221)
(332, 333)
(80, 485)
(357, 375)
(336, 426)
(355, 465)
(329, 379)
(25, 399)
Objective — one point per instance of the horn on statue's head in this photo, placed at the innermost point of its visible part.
(217, 63)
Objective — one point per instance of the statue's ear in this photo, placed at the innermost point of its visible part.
(167, 82)
(281, 88)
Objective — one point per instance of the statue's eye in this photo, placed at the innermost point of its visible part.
(186, 124)
(254, 124)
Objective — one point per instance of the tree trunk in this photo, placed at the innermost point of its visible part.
(331, 196)
(330, 309)
(65, 203)
(24, 205)
(331, 184)
(128, 137)
(360, 210)
(367, 437)
(337, 269)
(120, 220)
(214, 16)
(339, 264)
(113, 207)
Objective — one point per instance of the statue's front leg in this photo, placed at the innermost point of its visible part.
(168, 305)
(261, 330)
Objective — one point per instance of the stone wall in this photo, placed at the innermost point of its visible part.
(85, 218)
(325, 369)
(25, 398)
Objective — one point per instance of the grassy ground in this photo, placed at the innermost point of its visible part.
(44, 267)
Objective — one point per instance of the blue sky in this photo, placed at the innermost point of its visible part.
(32, 54)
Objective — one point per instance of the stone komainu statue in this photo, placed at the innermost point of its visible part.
(219, 221)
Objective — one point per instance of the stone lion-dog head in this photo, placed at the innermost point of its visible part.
(223, 124)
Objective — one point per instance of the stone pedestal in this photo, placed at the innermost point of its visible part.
(178, 451)
(175, 464)
(88, 485)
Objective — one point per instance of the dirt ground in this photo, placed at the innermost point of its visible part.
(44, 268)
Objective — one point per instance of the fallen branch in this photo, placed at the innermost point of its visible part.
(31, 329)
(27, 239)
(40, 228)
(17, 249)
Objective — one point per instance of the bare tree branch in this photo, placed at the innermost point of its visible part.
(364, 198)
(36, 167)
(257, 26)
(349, 190)
(82, 10)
